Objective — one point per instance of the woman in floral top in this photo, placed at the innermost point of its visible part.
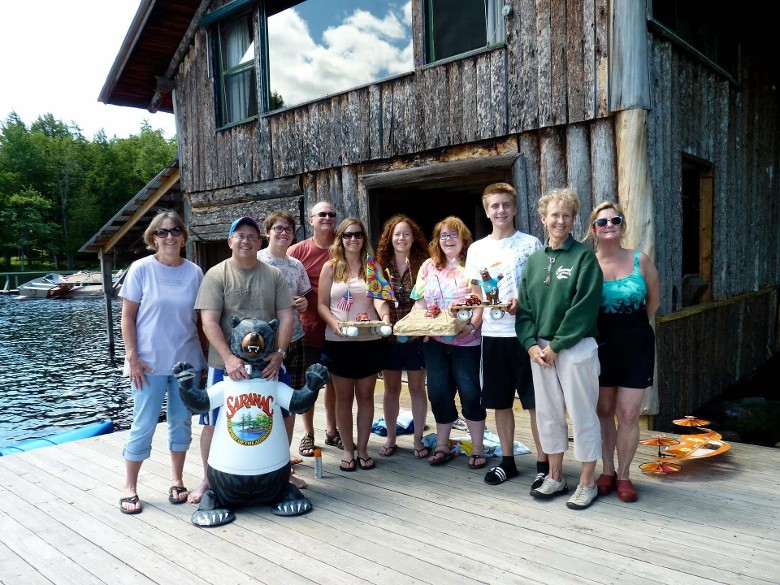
(402, 250)
(452, 363)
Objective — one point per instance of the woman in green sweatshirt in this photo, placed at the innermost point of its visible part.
(556, 323)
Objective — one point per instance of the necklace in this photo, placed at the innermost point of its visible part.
(550, 261)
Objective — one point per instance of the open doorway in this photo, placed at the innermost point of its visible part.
(430, 202)
(697, 231)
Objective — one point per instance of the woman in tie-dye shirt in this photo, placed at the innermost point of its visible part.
(452, 362)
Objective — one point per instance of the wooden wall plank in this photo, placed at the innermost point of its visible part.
(602, 160)
(526, 76)
(375, 133)
(576, 81)
(578, 173)
(528, 144)
(470, 122)
(498, 93)
(601, 56)
(558, 45)
(552, 168)
(589, 59)
(455, 106)
(544, 61)
(483, 90)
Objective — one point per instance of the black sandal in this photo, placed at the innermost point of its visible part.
(345, 465)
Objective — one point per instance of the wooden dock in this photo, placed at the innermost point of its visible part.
(716, 521)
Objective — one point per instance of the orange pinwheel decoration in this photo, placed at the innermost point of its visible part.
(659, 441)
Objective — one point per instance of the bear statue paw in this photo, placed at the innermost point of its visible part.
(317, 376)
(293, 503)
(183, 371)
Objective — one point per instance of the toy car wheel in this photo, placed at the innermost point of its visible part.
(496, 313)
(402, 338)
(464, 314)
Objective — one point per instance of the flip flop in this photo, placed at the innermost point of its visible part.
(421, 453)
(473, 461)
(435, 459)
(365, 465)
(131, 500)
(175, 491)
(387, 451)
(348, 465)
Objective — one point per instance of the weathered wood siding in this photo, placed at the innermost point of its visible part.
(552, 71)
(735, 128)
(702, 350)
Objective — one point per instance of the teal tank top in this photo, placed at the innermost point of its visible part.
(625, 295)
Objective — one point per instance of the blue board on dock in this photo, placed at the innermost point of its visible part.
(92, 430)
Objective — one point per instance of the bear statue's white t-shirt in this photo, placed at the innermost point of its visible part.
(249, 437)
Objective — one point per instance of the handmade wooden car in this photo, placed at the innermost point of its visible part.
(464, 307)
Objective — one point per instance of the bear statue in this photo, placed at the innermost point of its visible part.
(249, 459)
(489, 286)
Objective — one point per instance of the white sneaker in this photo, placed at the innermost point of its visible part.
(550, 488)
(583, 497)
(460, 424)
(538, 481)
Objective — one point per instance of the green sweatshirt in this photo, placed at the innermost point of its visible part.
(565, 310)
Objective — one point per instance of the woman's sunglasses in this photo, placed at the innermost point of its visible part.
(163, 233)
(603, 221)
(350, 235)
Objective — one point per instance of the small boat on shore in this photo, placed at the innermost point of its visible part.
(92, 430)
(77, 285)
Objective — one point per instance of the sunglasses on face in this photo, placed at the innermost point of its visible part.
(163, 232)
(278, 229)
(325, 214)
(350, 235)
(603, 221)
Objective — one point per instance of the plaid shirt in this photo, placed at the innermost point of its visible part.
(402, 287)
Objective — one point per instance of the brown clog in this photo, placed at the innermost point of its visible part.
(606, 483)
(626, 490)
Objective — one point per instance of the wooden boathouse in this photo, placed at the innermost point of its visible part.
(670, 106)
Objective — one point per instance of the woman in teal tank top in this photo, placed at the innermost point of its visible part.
(630, 298)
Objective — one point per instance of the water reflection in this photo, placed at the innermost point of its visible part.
(56, 371)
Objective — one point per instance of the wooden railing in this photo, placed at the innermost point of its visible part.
(704, 349)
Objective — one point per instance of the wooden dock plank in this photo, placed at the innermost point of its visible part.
(405, 522)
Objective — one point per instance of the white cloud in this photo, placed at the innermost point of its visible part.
(361, 49)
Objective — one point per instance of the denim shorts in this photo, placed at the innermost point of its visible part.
(405, 356)
(147, 403)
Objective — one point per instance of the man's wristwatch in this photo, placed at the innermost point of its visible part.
(284, 353)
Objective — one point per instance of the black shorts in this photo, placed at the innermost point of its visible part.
(626, 350)
(505, 371)
(405, 356)
(355, 359)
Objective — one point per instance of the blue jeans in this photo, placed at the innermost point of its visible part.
(147, 403)
(451, 369)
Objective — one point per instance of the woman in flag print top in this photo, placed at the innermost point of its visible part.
(353, 362)
(453, 363)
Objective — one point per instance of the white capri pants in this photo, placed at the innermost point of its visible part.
(572, 384)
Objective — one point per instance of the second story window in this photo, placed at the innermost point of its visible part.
(456, 27)
(237, 82)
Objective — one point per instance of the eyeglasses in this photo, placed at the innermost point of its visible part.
(350, 235)
(324, 214)
(163, 232)
(242, 237)
(444, 237)
(278, 229)
(603, 221)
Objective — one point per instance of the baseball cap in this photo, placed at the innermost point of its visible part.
(243, 220)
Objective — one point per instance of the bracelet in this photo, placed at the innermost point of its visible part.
(473, 329)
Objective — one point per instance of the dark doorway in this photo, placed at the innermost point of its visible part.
(696, 231)
(428, 203)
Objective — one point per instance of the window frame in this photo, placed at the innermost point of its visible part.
(429, 48)
(223, 74)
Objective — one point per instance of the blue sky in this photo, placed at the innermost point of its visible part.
(55, 57)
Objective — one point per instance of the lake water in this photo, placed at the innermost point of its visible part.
(56, 373)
